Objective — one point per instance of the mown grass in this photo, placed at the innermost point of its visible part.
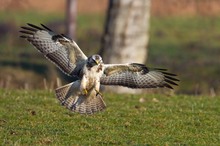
(36, 118)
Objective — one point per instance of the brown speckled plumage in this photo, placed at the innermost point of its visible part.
(83, 95)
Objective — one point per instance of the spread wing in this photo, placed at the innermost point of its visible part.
(137, 76)
(62, 51)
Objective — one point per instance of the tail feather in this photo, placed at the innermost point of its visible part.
(61, 92)
(71, 98)
(88, 104)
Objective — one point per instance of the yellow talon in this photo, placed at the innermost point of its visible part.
(84, 92)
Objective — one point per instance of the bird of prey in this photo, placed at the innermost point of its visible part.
(83, 95)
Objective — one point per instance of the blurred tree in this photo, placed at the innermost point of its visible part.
(126, 35)
(71, 13)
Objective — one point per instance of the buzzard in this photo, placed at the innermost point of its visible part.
(83, 95)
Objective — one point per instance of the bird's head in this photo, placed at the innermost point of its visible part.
(94, 60)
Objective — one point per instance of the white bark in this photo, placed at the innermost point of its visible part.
(126, 34)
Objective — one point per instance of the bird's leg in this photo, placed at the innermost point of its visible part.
(83, 84)
(97, 87)
(98, 93)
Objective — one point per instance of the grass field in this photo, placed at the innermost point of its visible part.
(36, 118)
(188, 46)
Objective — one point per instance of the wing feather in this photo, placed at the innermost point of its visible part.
(137, 76)
(63, 52)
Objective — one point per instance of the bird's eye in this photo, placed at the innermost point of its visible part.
(96, 57)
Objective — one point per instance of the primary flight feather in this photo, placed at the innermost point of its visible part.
(83, 95)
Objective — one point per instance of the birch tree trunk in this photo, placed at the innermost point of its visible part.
(126, 35)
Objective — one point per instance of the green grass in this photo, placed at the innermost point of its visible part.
(36, 118)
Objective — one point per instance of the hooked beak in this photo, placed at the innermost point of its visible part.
(97, 61)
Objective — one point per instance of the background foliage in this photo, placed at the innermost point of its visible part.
(186, 45)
